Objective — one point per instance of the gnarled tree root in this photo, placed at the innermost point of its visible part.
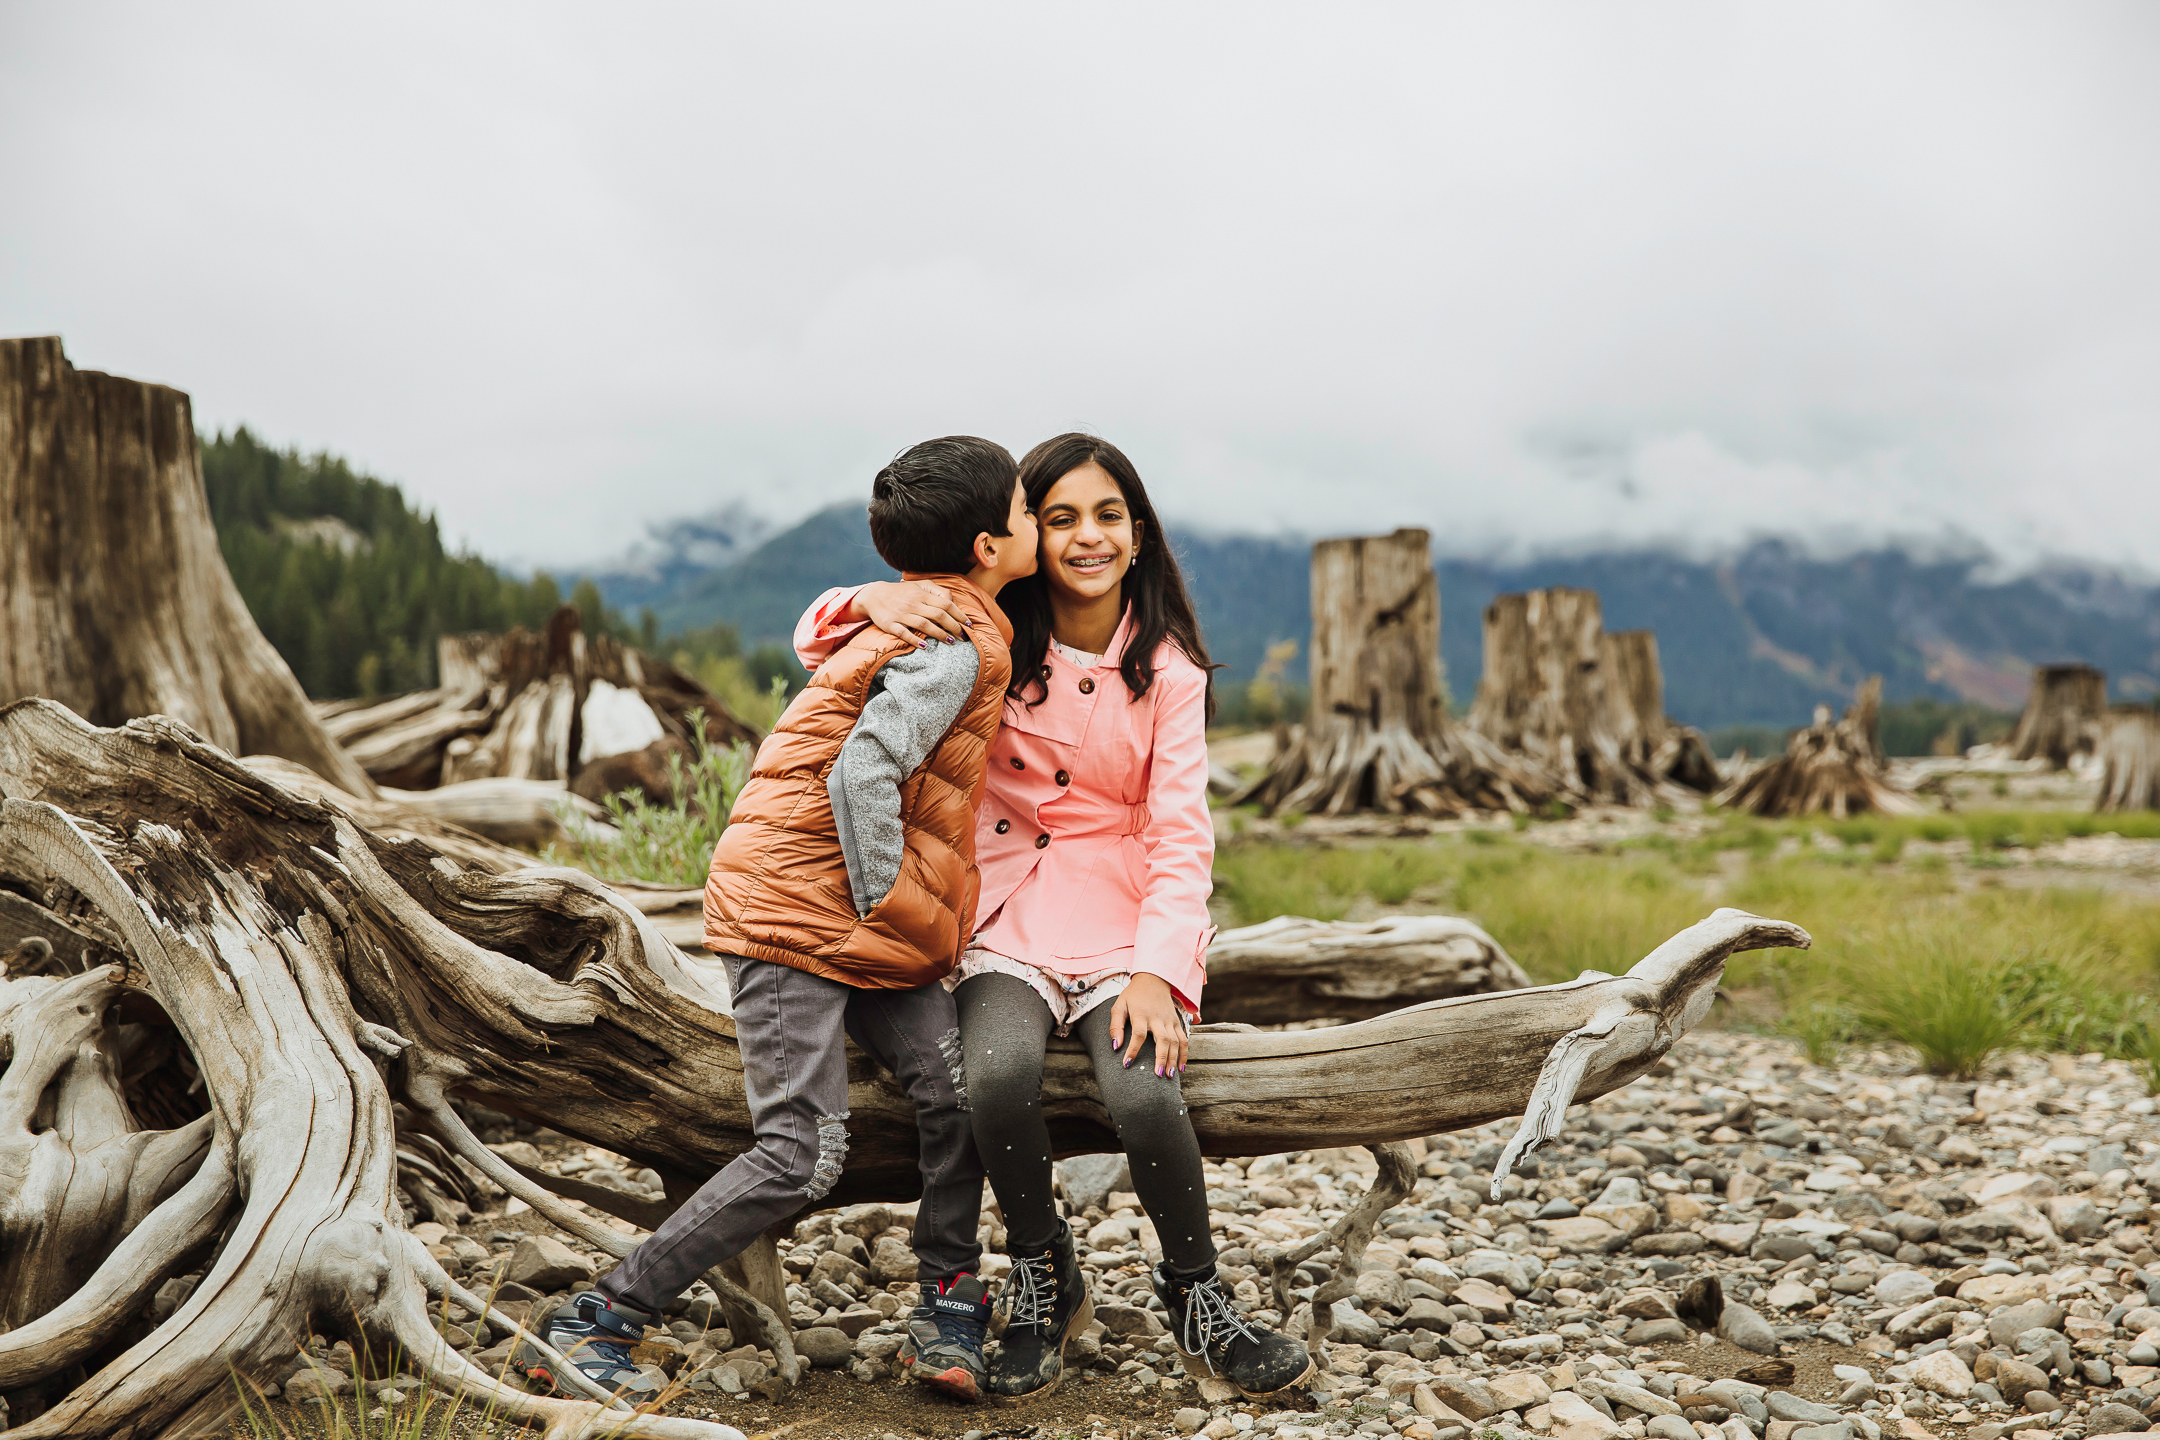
(304, 1134)
(1348, 1236)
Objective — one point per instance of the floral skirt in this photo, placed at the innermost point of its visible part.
(1068, 996)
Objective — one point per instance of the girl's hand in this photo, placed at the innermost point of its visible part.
(1147, 1001)
(917, 610)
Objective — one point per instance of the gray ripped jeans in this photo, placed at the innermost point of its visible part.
(793, 1028)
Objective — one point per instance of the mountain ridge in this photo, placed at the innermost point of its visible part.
(1759, 637)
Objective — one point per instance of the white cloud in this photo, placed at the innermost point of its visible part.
(1531, 275)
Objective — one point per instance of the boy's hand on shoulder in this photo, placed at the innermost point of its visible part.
(915, 610)
(1147, 1006)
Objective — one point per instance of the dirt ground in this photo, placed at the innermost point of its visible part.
(1812, 1364)
(831, 1406)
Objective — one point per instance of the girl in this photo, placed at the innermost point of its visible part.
(1095, 847)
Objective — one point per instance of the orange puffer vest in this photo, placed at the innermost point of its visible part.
(778, 888)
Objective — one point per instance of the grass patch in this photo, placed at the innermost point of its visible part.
(1823, 1029)
(1557, 913)
(664, 844)
(427, 1413)
(1903, 950)
(1956, 1008)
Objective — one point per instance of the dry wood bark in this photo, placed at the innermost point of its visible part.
(2129, 759)
(1377, 736)
(521, 706)
(1830, 768)
(2062, 716)
(321, 980)
(389, 817)
(114, 598)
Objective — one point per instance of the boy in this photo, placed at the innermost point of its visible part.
(840, 895)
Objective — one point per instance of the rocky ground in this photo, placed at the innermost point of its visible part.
(1738, 1245)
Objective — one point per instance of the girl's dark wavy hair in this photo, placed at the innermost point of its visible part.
(1154, 588)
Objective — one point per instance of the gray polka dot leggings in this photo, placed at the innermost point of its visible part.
(1004, 1029)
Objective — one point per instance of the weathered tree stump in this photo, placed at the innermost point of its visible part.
(1649, 739)
(114, 597)
(2062, 716)
(1830, 768)
(541, 708)
(320, 981)
(1377, 736)
(2129, 754)
(1586, 707)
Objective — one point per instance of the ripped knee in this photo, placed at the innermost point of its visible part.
(955, 1064)
(831, 1156)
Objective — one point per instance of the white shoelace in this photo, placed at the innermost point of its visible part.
(1031, 1290)
(1211, 1319)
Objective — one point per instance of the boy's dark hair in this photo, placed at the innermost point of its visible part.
(929, 504)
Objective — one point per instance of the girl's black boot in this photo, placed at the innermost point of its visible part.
(1216, 1340)
(1047, 1302)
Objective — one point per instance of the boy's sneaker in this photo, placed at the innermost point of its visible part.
(1046, 1303)
(594, 1334)
(944, 1344)
(1216, 1340)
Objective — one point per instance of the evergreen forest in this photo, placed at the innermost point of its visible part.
(349, 581)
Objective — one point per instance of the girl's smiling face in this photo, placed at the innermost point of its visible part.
(1088, 532)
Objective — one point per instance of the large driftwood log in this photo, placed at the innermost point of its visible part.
(2129, 759)
(318, 980)
(1831, 768)
(521, 706)
(1278, 971)
(114, 598)
(1290, 968)
(1377, 736)
(2062, 716)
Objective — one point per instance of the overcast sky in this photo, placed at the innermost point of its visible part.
(1533, 275)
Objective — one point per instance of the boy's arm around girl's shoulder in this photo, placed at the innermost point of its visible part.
(917, 697)
(823, 628)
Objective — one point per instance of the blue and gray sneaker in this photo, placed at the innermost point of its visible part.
(594, 1334)
(944, 1344)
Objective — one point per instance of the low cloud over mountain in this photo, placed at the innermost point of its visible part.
(1758, 636)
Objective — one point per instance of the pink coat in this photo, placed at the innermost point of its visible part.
(1093, 836)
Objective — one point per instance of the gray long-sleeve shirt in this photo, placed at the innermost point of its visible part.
(914, 700)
